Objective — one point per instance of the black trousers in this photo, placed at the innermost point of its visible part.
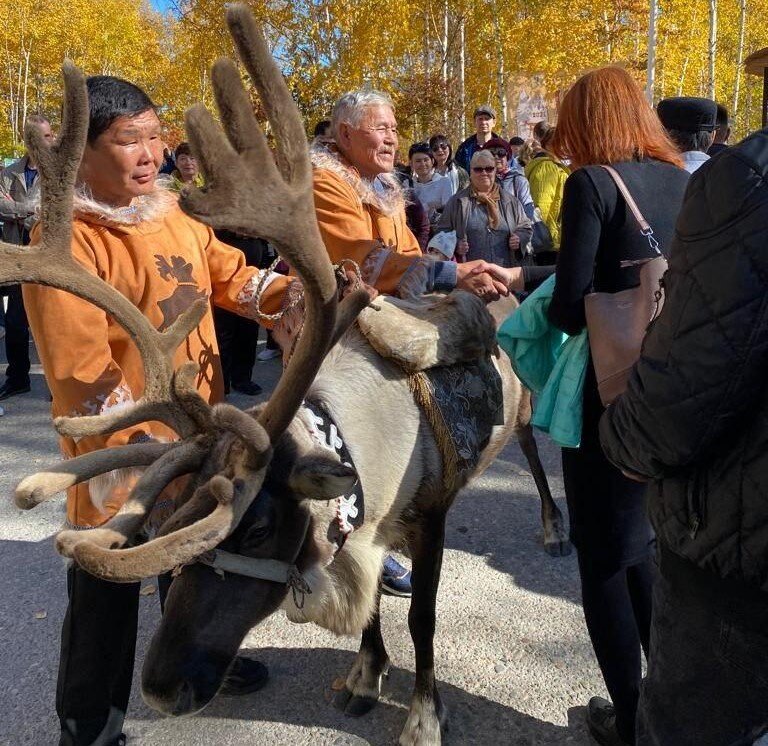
(237, 338)
(16, 337)
(98, 646)
(707, 681)
(615, 544)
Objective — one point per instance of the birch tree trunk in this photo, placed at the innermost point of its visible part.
(712, 47)
(501, 89)
(444, 67)
(650, 76)
(739, 56)
(462, 79)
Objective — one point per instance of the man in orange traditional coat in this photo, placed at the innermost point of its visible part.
(361, 209)
(134, 236)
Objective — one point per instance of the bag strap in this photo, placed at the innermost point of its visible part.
(644, 225)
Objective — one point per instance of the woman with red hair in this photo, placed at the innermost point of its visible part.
(605, 119)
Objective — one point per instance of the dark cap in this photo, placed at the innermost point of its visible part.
(495, 143)
(484, 109)
(688, 114)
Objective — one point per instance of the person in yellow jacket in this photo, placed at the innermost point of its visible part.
(547, 176)
(135, 237)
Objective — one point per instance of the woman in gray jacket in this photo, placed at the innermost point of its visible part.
(490, 223)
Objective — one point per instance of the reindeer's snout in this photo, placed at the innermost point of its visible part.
(187, 690)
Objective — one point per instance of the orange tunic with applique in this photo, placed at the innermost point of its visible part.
(162, 264)
(366, 224)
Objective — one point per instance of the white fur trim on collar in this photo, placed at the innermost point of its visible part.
(153, 206)
(388, 201)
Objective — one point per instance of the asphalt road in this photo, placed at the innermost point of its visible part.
(512, 655)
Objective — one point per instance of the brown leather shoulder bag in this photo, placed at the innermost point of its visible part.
(617, 322)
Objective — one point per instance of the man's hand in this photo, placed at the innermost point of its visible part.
(512, 277)
(474, 277)
(353, 283)
(514, 241)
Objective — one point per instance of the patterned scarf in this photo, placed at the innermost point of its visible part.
(491, 202)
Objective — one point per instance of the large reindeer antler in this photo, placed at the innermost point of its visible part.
(247, 191)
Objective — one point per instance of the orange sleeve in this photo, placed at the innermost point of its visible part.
(72, 338)
(234, 284)
(346, 233)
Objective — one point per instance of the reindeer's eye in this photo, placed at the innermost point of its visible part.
(257, 533)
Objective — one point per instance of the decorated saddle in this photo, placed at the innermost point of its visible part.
(447, 345)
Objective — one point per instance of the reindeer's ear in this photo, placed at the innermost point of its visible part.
(318, 477)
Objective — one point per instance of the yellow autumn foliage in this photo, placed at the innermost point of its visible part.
(438, 59)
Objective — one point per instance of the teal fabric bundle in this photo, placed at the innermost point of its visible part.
(550, 363)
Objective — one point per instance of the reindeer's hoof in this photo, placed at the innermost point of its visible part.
(558, 548)
(353, 705)
(426, 722)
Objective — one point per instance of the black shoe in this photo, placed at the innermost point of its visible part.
(11, 389)
(245, 677)
(601, 721)
(249, 388)
(121, 740)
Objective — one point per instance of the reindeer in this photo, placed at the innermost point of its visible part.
(252, 532)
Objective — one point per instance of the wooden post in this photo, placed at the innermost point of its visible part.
(765, 97)
(757, 64)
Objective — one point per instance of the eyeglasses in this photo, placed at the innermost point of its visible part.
(500, 153)
(483, 169)
(442, 146)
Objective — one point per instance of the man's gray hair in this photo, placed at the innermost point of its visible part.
(37, 119)
(349, 108)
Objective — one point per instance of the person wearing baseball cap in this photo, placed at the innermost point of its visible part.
(511, 179)
(485, 119)
(690, 123)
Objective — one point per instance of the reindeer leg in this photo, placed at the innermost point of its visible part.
(556, 541)
(427, 714)
(363, 686)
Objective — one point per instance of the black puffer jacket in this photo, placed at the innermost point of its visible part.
(695, 415)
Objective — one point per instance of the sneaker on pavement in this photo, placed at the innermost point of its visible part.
(267, 354)
(12, 389)
(601, 721)
(245, 677)
(395, 579)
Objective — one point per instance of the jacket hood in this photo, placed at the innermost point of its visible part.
(389, 201)
(149, 209)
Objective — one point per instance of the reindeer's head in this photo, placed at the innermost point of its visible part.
(226, 452)
(210, 610)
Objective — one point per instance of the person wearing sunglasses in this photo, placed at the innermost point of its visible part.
(490, 223)
(511, 179)
(445, 165)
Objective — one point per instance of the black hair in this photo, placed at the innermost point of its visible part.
(516, 140)
(183, 148)
(322, 128)
(421, 147)
(686, 141)
(441, 139)
(722, 121)
(110, 98)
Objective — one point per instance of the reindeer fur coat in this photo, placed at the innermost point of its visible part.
(365, 221)
(163, 261)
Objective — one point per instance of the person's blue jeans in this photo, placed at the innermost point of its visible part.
(707, 682)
